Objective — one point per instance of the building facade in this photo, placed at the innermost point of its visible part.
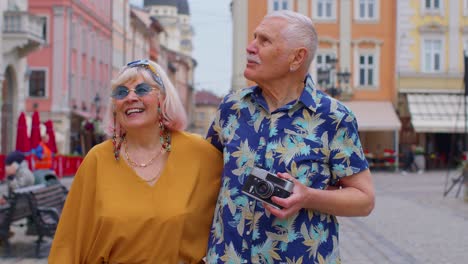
(176, 48)
(206, 106)
(432, 36)
(174, 16)
(22, 32)
(70, 73)
(361, 34)
(120, 39)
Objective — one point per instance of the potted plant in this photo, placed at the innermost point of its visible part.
(419, 158)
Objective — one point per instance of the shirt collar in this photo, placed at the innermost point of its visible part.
(309, 98)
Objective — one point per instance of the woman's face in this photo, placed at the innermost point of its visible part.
(134, 112)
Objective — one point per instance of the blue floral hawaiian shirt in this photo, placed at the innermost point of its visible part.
(315, 139)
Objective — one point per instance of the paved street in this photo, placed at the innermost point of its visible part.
(411, 223)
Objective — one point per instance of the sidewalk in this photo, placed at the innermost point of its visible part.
(412, 223)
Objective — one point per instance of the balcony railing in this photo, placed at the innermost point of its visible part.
(22, 30)
(23, 22)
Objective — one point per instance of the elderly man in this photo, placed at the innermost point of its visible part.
(286, 126)
(17, 172)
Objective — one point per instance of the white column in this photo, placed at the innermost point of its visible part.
(302, 7)
(59, 65)
(454, 36)
(79, 64)
(239, 38)
(345, 36)
(396, 139)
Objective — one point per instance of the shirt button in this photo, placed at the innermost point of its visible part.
(244, 261)
(250, 203)
(247, 233)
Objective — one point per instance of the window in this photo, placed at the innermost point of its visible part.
(366, 70)
(432, 4)
(44, 31)
(274, 5)
(465, 47)
(432, 49)
(432, 7)
(321, 62)
(37, 83)
(324, 9)
(74, 36)
(465, 7)
(366, 9)
(201, 116)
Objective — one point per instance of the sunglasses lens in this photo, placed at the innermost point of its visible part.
(120, 92)
(143, 89)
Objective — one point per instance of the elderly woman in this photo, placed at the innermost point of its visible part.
(147, 195)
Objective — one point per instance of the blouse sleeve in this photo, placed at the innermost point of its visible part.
(72, 239)
(203, 201)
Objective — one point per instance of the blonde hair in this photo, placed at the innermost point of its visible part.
(172, 110)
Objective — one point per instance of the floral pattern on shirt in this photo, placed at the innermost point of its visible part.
(314, 139)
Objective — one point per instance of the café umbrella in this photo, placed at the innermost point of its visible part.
(35, 130)
(52, 144)
(22, 139)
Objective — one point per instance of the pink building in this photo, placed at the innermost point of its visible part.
(70, 74)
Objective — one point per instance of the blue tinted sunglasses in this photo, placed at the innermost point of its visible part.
(142, 89)
(145, 64)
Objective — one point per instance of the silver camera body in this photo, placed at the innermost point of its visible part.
(262, 185)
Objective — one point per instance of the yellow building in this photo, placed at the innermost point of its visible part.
(431, 38)
(361, 34)
(206, 105)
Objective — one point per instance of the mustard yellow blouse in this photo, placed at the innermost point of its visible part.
(112, 216)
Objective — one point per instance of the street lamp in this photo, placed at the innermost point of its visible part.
(97, 104)
(332, 80)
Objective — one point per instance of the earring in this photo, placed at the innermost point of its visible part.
(164, 135)
(117, 140)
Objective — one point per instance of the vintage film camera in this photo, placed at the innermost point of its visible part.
(262, 185)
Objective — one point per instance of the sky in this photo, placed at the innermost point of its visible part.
(212, 44)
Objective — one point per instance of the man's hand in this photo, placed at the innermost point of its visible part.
(293, 203)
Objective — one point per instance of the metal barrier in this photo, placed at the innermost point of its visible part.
(61, 165)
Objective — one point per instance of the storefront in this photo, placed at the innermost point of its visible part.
(438, 119)
(378, 127)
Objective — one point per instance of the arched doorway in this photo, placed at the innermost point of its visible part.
(8, 122)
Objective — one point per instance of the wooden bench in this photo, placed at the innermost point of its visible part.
(46, 205)
(41, 203)
(17, 208)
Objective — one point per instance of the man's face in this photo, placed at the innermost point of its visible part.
(267, 54)
(10, 170)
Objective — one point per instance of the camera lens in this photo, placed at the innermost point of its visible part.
(264, 189)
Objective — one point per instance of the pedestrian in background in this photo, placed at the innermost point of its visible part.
(288, 127)
(42, 155)
(147, 195)
(17, 172)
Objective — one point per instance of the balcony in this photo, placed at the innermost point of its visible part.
(22, 31)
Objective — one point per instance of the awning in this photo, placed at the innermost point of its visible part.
(374, 115)
(437, 113)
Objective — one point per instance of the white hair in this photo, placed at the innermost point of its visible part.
(300, 31)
